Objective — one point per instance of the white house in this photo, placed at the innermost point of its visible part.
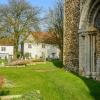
(34, 49)
(6, 49)
(52, 51)
(40, 50)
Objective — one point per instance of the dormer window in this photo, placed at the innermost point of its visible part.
(3, 48)
(29, 45)
(43, 45)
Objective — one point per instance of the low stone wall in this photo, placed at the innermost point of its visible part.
(10, 97)
(30, 64)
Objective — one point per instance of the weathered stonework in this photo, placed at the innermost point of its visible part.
(89, 47)
(82, 37)
(71, 40)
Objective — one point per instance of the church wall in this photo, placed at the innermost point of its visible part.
(71, 40)
(85, 54)
(81, 47)
(98, 55)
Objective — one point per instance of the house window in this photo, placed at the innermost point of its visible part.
(37, 43)
(3, 48)
(53, 55)
(43, 45)
(43, 55)
(29, 46)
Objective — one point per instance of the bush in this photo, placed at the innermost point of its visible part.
(38, 60)
(24, 62)
(27, 55)
(3, 61)
(2, 81)
(18, 54)
(19, 62)
(4, 92)
(57, 63)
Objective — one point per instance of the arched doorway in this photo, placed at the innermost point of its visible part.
(89, 39)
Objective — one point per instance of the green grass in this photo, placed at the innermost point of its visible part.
(53, 83)
(3, 61)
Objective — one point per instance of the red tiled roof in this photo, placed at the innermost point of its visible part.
(45, 37)
(6, 42)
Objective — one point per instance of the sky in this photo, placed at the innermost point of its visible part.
(45, 4)
(42, 3)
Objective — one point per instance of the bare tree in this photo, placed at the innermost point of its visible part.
(17, 19)
(55, 24)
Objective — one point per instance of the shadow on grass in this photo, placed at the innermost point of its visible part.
(57, 63)
(4, 92)
(93, 86)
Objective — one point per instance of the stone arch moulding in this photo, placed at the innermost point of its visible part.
(93, 11)
(95, 15)
(84, 13)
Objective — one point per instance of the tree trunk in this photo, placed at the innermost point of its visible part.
(61, 53)
(22, 49)
(16, 45)
(15, 51)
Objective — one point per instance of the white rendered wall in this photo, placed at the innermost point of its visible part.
(8, 51)
(37, 51)
(52, 49)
